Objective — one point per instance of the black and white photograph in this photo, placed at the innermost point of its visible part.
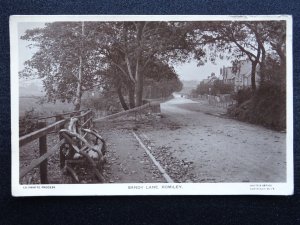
(151, 105)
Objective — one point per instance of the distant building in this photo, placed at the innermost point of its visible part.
(240, 75)
(205, 81)
(210, 79)
(213, 78)
(228, 75)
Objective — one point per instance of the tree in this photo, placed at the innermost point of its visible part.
(67, 61)
(73, 57)
(218, 87)
(161, 80)
(215, 88)
(137, 44)
(158, 76)
(277, 62)
(202, 88)
(239, 39)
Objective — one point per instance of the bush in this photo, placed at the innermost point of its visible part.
(103, 103)
(267, 107)
(270, 106)
(26, 123)
(243, 95)
(220, 88)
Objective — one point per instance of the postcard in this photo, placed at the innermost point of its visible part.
(151, 105)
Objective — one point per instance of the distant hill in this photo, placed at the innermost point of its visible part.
(188, 86)
(30, 89)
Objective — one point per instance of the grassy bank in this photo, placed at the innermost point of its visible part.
(266, 107)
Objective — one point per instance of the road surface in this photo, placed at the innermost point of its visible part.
(193, 142)
(219, 149)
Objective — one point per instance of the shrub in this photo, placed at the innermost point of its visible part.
(267, 107)
(220, 88)
(243, 95)
(270, 106)
(26, 123)
(103, 103)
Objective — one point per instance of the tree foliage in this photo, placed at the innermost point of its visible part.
(253, 40)
(62, 47)
(218, 87)
(74, 57)
(138, 45)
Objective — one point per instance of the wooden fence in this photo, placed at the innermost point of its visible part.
(86, 120)
(223, 101)
(154, 106)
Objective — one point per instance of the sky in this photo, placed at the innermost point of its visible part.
(190, 71)
(186, 71)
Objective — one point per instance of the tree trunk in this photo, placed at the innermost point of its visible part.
(253, 72)
(262, 65)
(138, 75)
(77, 102)
(77, 105)
(283, 74)
(139, 90)
(78, 95)
(131, 97)
(282, 78)
(121, 98)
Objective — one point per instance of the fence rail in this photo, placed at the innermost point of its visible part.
(41, 134)
(154, 105)
(60, 114)
(86, 121)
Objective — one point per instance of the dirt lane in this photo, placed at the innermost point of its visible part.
(222, 150)
(193, 142)
(127, 161)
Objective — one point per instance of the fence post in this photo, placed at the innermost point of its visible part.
(61, 155)
(155, 108)
(43, 150)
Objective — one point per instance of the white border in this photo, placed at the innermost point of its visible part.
(147, 189)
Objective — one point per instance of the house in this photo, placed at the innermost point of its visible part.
(228, 75)
(239, 75)
(210, 79)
